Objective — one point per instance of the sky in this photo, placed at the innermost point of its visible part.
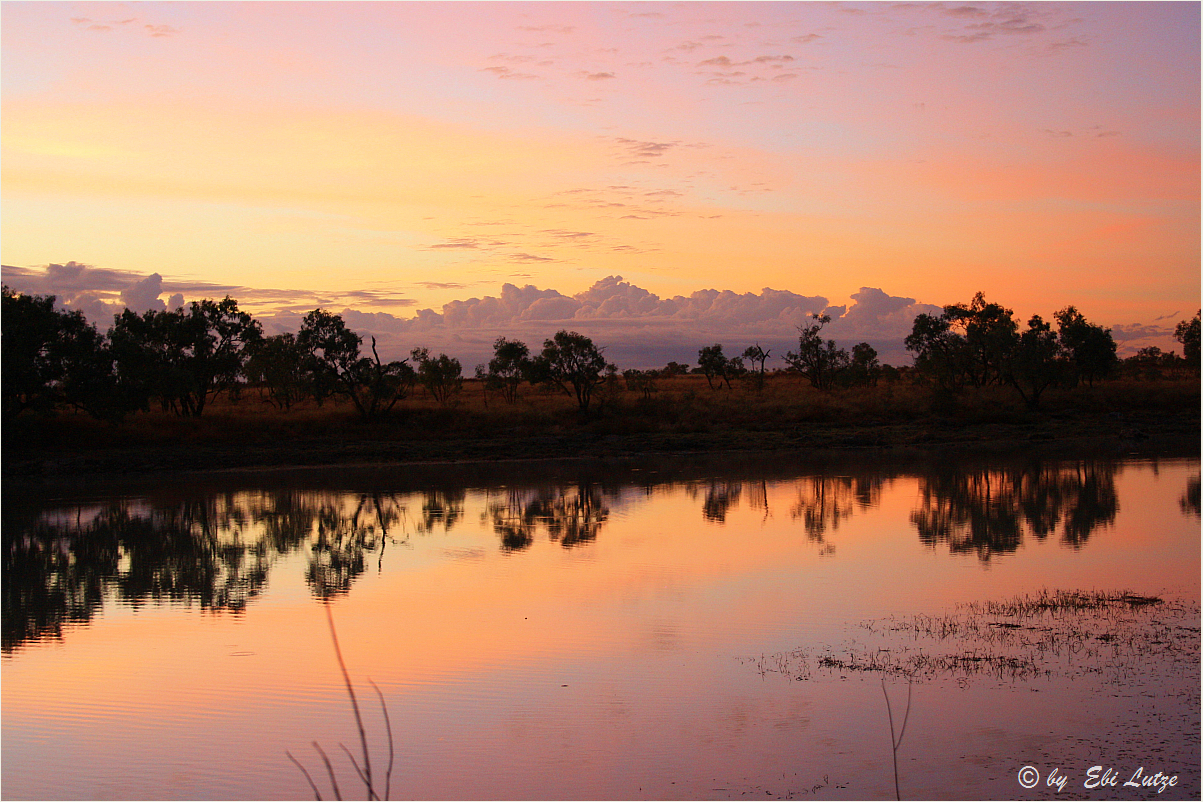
(660, 176)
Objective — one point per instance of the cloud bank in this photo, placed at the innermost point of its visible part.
(636, 327)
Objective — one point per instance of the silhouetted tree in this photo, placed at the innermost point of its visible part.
(185, 357)
(941, 355)
(52, 358)
(674, 369)
(332, 360)
(1090, 348)
(1150, 363)
(442, 376)
(969, 344)
(820, 362)
(509, 366)
(717, 367)
(757, 356)
(573, 363)
(278, 365)
(990, 333)
(643, 381)
(864, 367)
(1036, 362)
(1187, 333)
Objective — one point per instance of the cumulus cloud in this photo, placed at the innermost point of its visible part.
(101, 293)
(142, 296)
(637, 327)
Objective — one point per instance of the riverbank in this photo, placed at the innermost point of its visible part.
(892, 422)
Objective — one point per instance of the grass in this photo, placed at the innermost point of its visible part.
(1110, 634)
(683, 414)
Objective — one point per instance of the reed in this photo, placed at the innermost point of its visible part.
(365, 772)
(896, 740)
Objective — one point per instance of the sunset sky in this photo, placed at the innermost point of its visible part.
(389, 158)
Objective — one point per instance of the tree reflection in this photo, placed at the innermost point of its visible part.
(345, 537)
(988, 511)
(720, 496)
(61, 571)
(824, 501)
(570, 514)
(441, 508)
(1189, 502)
(214, 551)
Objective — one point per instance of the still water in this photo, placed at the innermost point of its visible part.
(676, 629)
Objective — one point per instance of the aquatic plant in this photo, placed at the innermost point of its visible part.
(896, 740)
(364, 772)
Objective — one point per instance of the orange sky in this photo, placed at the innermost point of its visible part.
(422, 153)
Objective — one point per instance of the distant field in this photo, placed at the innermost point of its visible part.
(683, 414)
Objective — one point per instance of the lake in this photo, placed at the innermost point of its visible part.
(695, 628)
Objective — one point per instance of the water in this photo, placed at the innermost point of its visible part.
(674, 629)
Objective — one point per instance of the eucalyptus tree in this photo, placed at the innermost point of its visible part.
(1187, 333)
(716, 366)
(510, 365)
(53, 357)
(757, 356)
(818, 360)
(1037, 361)
(334, 366)
(573, 363)
(1089, 349)
(967, 345)
(442, 376)
(278, 365)
(183, 357)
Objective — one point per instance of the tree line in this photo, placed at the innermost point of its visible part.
(181, 359)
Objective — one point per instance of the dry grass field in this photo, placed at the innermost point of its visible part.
(682, 414)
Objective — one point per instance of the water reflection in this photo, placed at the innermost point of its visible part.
(721, 495)
(571, 515)
(987, 511)
(1190, 497)
(823, 501)
(215, 550)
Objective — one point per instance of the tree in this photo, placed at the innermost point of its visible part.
(941, 355)
(278, 364)
(716, 366)
(674, 369)
(990, 333)
(1037, 361)
(967, 345)
(54, 357)
(573, 363)
(442, 376)
(1187, 333)
(864, 368)
(1090, 349)
(185, 358)
(757, 356)
(820, 362)
(331, 358)
(643, 381)
(509, 366)
(1150, 363)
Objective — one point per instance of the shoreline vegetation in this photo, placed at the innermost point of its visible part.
(783, 416)
(202, 388)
